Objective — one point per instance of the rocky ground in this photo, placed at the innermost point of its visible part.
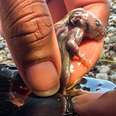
(105, 67)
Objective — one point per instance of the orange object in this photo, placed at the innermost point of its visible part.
(90, 51)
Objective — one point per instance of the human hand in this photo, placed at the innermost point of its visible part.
(28, 30)
(83, 97)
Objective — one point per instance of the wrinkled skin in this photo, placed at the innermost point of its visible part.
(70, 31)
(76, 25)
(28, 30)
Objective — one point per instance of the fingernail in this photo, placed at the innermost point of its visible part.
(43, 78)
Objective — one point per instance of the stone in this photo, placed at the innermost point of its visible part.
(112, 39)
(102, 76)
(104, 69)
(114, 58)
(2, 46)
(113, 67)
(107, 39)
(9, 56)
(1, 58)
(113, 77)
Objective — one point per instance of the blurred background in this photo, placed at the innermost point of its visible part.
(106, 65)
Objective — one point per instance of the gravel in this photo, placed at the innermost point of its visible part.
(102, 76)
(106, 65)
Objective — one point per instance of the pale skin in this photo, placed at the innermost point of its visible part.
(84, 105)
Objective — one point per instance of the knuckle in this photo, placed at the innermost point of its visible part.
(27, 17)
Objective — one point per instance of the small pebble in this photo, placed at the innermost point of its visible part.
(102, 76)
(104, 69)
(2, 46)
(1, 58)
(113, 67)
(113, 77)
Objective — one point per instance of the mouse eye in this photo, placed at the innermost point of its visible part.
(97, 23)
